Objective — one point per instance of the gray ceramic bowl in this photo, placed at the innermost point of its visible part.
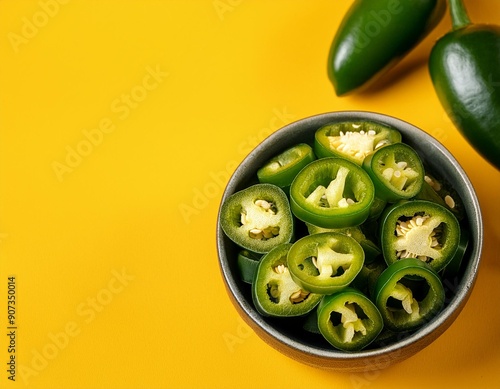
(284, 335)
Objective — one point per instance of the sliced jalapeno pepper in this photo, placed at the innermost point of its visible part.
(311, 322)
(282, 169)
(441, 192)
(419, 229)
(348, 320)
(427, 192)
(377, 208)
(453, 267)
(326, 262)
(353, 140)
(396, 171)
(366, 279)
(371, 250)
(332, 193)
(247, 265)
(257, 218)
(387, 337)
(274, 293)
(408, 294)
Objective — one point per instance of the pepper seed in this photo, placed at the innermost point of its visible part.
(449, 201)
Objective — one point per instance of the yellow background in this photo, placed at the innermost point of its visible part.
(117, 279)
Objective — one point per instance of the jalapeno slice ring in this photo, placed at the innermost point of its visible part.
(282, 169)
(353, 140)
(419, 229)
(408, 294)
(258, 218)
(396, 171)
(372, 251)
(274, 293)
(332, 193)
(326, 262)
(348, 320)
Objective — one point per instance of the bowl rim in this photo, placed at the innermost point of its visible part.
(450, 311)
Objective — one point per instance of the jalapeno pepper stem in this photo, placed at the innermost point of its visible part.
(459, 16)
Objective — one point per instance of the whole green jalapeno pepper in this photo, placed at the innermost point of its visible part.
(274, 293)
(332, 193)
(258, 218)
(465, 69)
(325, 262)
(408, 294)
(419, 229)
(348, 320)
(374, 35)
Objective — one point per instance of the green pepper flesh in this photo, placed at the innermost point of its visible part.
(353, 140)
(274, 292)
(396, 171)
(465, 70)
(325, 262)
(412, 311)
(375, 35)
(282, 169)
(332, 193)
(258, 218)
(419, 229)
(348, 320)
